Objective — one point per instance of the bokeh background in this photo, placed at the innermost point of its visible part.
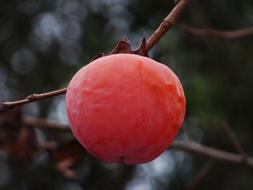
(44, 42)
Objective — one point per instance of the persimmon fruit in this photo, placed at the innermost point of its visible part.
(125, 108)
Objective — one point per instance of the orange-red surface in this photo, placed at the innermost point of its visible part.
(125, 108)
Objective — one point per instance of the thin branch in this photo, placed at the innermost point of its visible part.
(234, 140)
(212, 153)
(152, 40)
(200, 176)
(192, 147)
(186, 133)
(31, 98)
(210, 32)
(44, 124)
(166, 24)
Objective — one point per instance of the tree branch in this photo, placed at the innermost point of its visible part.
(200, 176)
(210, 32)
(166, 24)
(189, 146)
(31, 98)
(44, 124)
(152, 40)
(212, 153)
(235, 142)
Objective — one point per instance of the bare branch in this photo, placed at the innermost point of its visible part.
(189, 146)
(166, 24)
(186, 133)
(212, 153)
(153, 39)
(192, 147)
(31, 98)
(200, 176)
(210, 32)
(43, 123)
(233, 139)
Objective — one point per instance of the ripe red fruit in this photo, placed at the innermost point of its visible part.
(125, 108)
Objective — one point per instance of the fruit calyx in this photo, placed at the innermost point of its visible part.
(124, 46)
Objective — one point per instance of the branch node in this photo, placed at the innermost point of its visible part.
(235, 142)
(141, 50)
(32, 97)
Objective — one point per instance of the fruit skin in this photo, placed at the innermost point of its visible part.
(125, 108)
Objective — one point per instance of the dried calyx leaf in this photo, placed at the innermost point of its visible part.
(124, 46)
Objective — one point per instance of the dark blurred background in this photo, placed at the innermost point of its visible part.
(44, 42)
